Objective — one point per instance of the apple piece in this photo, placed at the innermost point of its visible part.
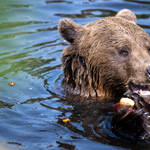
(127, 102)
(116, 107)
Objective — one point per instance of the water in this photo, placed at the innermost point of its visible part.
(32, 110)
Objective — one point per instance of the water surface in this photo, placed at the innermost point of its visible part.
(32, 110)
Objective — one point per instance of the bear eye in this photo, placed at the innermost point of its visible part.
(123, 52)
(148, 49)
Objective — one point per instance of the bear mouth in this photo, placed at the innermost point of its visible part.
(139, 89)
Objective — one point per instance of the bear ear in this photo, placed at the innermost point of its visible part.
(68, 29)
(127, 14)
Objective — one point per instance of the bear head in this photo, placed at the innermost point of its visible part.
(106, 57)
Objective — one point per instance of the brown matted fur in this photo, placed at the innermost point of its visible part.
(105, 55)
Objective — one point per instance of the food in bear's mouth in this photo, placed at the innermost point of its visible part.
(124, 102)
(140, 89)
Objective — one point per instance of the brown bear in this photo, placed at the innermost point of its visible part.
(107, 57)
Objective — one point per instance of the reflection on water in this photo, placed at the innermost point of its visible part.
(32, 110)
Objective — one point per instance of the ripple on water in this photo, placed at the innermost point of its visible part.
(32, 111)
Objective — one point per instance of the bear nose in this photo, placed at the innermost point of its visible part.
(148, 71)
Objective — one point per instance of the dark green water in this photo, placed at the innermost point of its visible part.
(32, 110)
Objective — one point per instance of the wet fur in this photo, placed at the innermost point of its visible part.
(133, 125)
(94, 63)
